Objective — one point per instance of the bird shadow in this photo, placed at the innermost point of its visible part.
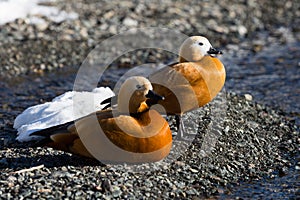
(48, 161)
(16, 155)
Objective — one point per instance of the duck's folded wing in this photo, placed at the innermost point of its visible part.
(62, 137)
(65, 136)
(63, 109)
(59, 133)
(110, 102)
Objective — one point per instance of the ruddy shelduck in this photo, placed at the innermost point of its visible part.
(131, 133)
(192, 82)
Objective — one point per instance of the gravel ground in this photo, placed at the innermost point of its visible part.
(254, 141)
(27, 47)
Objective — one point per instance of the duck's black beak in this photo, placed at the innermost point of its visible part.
(153, 96)
(214, 51)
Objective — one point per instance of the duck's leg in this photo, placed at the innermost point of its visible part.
(182, 132)
(180, 127)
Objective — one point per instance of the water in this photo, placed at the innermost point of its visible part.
(271, 76)
(280, 187)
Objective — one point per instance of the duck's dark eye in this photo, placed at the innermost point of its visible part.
(138, 87)
(200, 43)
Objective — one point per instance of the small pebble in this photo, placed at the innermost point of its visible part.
(248, 97)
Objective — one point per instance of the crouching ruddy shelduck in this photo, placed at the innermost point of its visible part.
(131, 133)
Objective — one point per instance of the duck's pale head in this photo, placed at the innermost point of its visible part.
(133, 95)
(195, 48)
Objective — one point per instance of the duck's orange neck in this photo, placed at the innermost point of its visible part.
(143, 118)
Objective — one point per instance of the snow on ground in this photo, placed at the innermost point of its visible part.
(13, 9)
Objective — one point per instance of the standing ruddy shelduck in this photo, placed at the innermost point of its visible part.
(133, 133)
(192, 82)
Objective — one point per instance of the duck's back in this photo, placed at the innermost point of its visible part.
(189, 85)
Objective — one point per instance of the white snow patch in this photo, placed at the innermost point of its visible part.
(14, 9)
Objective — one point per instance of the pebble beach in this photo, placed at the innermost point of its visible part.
(256, 153)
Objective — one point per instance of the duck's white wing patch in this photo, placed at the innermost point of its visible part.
(59, 111)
